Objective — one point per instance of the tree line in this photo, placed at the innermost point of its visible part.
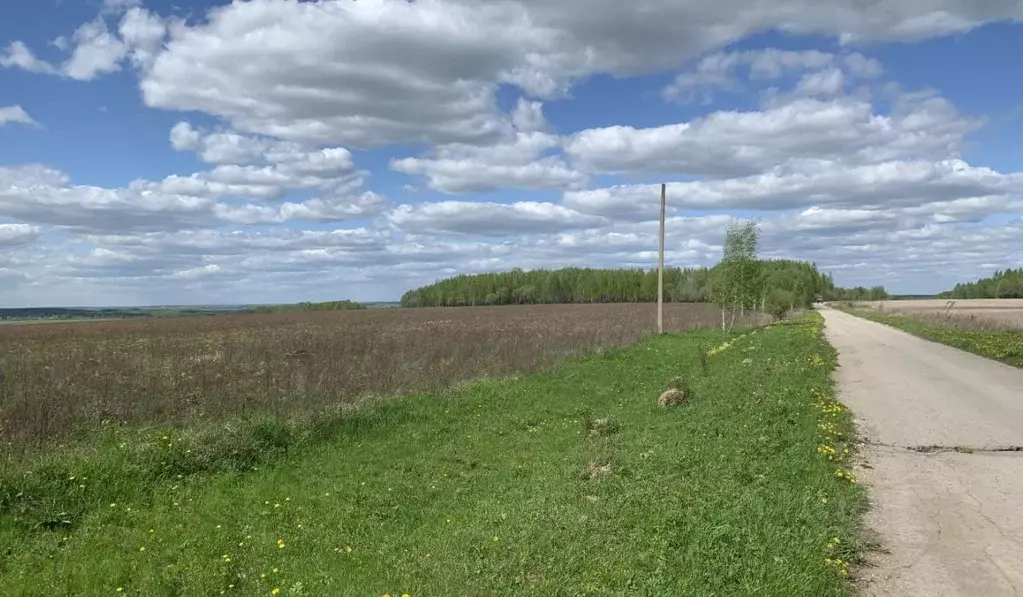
(1003, 284)
(57, 313)
(344, 305)
(785, 282)
(742, 281)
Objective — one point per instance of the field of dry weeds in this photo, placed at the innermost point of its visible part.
(58, 377)
(965, 313)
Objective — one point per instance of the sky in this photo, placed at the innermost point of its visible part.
(159, 152)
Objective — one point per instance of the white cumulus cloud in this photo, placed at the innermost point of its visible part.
(15, 114)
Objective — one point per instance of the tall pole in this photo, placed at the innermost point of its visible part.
(660, 266)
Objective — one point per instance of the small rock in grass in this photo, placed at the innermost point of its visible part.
(672, 397)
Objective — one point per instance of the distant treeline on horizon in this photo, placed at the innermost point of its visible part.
(344, 305)
(1003, 284)
(71, 313)
(75, 313)
(802, 280)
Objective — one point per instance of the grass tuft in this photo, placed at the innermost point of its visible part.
(603, 427)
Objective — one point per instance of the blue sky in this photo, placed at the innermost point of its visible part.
(157, 152)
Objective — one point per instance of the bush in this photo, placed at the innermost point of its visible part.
(779, 303)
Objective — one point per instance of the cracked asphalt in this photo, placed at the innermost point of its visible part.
(941, 461)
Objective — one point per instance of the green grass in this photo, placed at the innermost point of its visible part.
(1005, 345)
(484, 490)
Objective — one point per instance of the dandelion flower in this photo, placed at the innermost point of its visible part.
(275, 591)
(143, 548)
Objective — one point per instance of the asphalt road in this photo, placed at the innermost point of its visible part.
(943, 429)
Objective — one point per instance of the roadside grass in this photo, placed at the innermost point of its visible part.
(568, 482)
(1000, 344)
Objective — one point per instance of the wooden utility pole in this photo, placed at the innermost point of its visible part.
(660, 266)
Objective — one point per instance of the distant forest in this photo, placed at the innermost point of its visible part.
(345, 305)
(799, 280)
(58, 313)
(72, 313)
(1004, 284)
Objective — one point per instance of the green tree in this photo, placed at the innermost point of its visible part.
(779, 302)
(1003, 284)
(737, 281)
(587, 285)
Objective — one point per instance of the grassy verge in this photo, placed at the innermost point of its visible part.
(1005, 345)
(568, 482)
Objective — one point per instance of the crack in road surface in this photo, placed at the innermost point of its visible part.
(964, 449)
(936, 449)
(943, 429)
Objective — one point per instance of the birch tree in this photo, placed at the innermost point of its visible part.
(737, 281)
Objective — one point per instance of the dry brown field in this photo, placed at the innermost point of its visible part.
(58, 376)
(972, 313)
